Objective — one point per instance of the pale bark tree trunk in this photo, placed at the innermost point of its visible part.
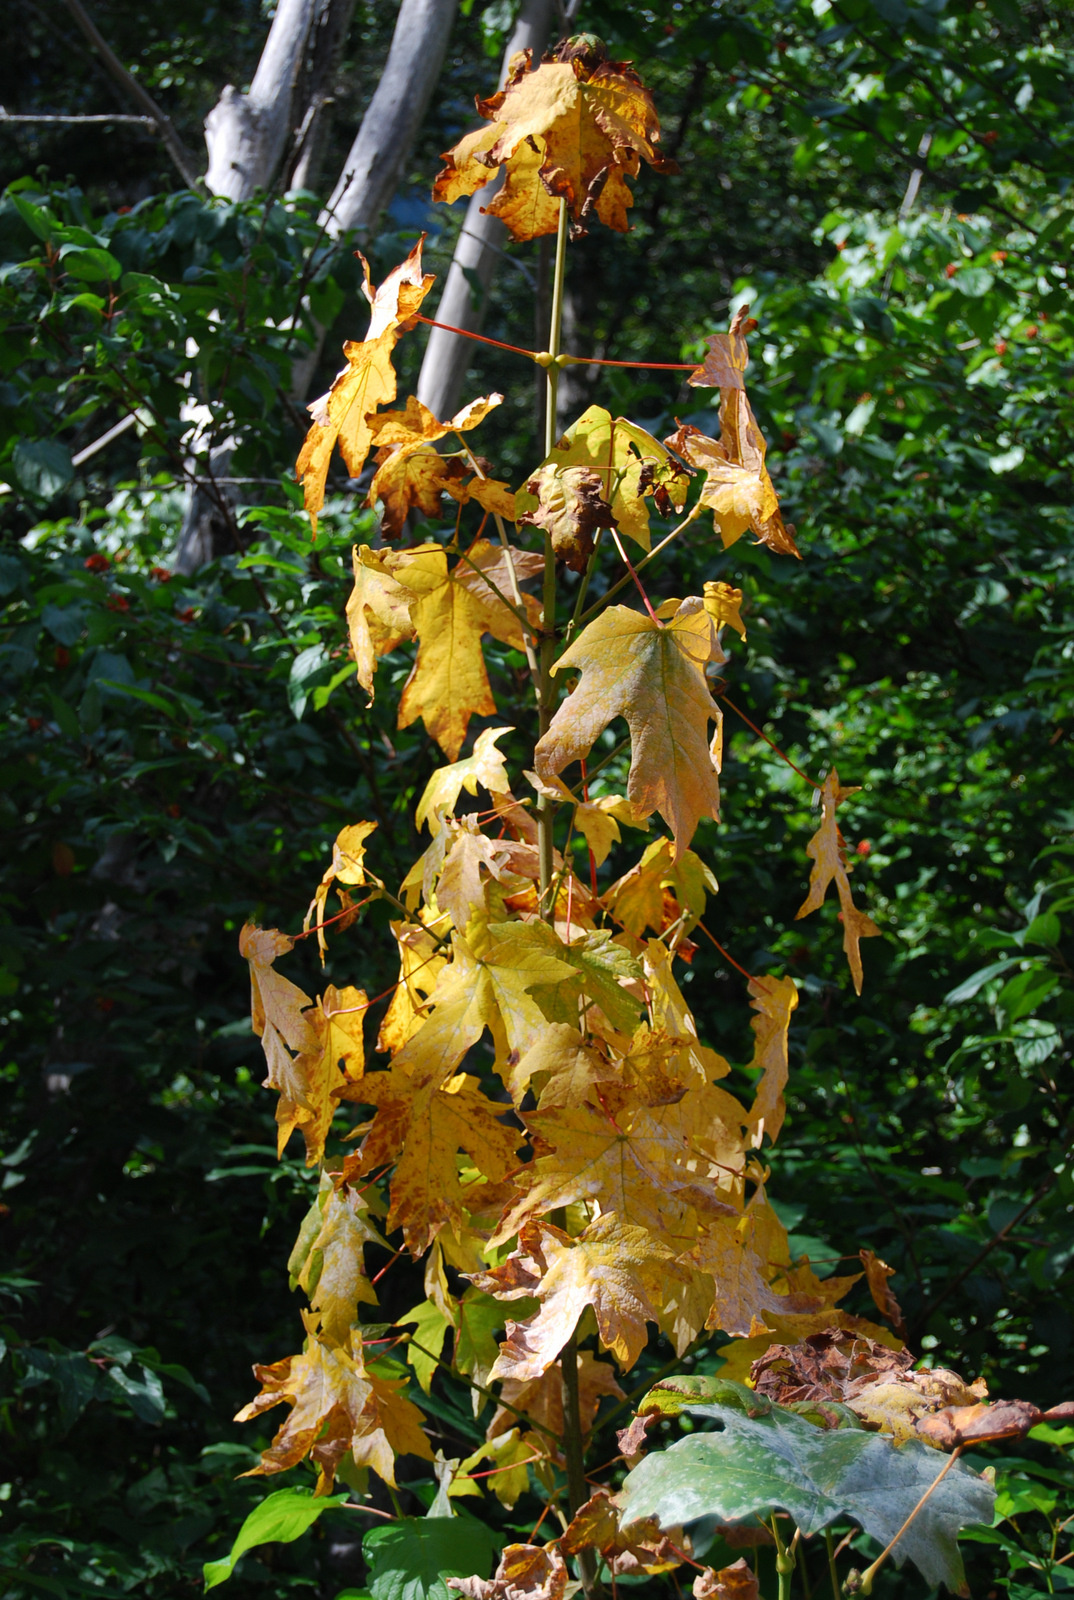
(477, 252)
(375, 160)
(247, 133)
(316, 91)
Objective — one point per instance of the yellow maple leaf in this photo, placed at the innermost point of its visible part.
(661, 889)
(347, 867)
(421, 1125)
(485, 765)
(378, 609)
(738, 489)
(416, 423)
(411, 477)
(333, 1273)
(591, 120)
(691, 1060)
(723, 602)
(304, 1041)
(828, 852)
(617, 1269)
(773, 999)
(449, 683)
(420, 964)
(653, 674)
(327, 1389)
(365, 383)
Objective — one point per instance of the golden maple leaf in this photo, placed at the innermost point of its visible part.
(828, 852)
(617, 1269)
(378, 608)
(420, 964)
(653, 674)
(411, 477)
(449, 683)
(575, 127)
(327, 1389)
(305, 1041)
(365, 383)
(737, 489)
(410, 473)
(333, 1272)
(421, 1125)
(660, 890)
(485, 765)
(347, 867)
(773, 999)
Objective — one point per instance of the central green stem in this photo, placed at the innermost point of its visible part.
(546, 692)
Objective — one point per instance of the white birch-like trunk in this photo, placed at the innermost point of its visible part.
(247, 134)
(477, 252)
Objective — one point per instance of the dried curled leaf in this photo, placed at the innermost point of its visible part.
(570, 507)
(573, 128)
(365, 383)
(828, 852)
(736, 1582)
(629, 463)
(525, 1572)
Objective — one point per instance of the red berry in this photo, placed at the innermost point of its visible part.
(96, 562)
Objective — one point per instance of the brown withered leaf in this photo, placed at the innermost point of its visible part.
(576, 127)
(979, 1424)
(631, 464)
(525, 1572)
(570, 507)
(653, 674)
(828, 852)
(411, 477)
(877, 1273)
(830, 1365)
(365, 383)
(643, 1547)
(736, 1582)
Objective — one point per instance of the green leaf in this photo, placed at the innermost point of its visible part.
(977, 980)
(409, 1559)
(43, 467)
(764, 1457)
(430, 1326)
(282, 1518)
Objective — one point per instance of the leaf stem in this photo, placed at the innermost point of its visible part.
(546, 809)
(833, 1571)
(609, 594)
(574, 1450)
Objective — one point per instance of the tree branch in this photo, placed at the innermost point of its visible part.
(181, 157)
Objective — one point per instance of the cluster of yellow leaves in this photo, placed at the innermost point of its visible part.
(573, 128)
(608, 1115)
